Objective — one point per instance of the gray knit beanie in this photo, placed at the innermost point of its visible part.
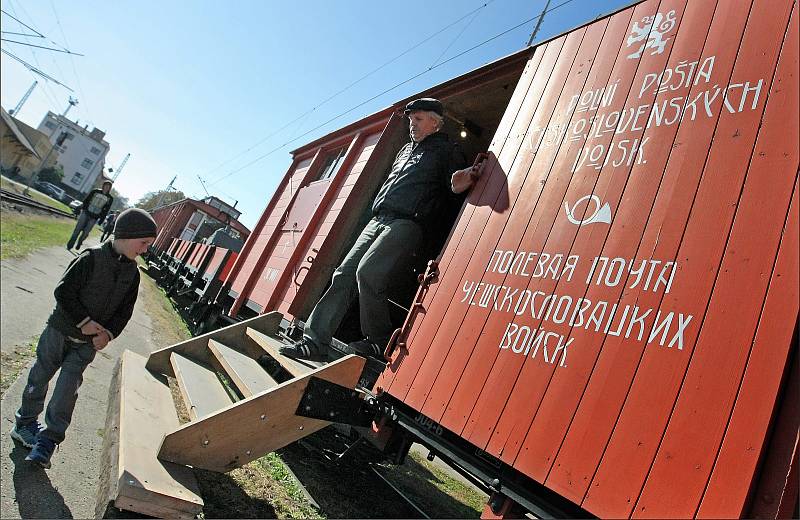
(135, 223)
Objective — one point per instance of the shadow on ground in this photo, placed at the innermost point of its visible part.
(33, 491)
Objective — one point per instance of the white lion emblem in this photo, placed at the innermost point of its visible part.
(652, 32)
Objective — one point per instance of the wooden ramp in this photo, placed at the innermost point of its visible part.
(238, 412)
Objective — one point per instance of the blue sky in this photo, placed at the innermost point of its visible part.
(204, 87)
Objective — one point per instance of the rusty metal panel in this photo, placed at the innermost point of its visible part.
(612, 317)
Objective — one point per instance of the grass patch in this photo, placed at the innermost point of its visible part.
(8, 184)
(12, 364)
(22, 233)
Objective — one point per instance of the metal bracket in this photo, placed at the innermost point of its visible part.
(335, 403)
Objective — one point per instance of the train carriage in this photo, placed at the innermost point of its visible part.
(609, 324)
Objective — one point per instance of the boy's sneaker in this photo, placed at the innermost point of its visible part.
(26, 433)
(42, 452)
(365, 348)
(302, 349)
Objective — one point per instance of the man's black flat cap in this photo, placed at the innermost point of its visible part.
(427, 104)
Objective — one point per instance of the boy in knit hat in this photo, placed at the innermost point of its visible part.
(94, 301)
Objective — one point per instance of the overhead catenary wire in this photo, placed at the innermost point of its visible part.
(351, 85)
(21, 22)
(40, 46)
(35, 70)
(85, 106)
(22, 34)
(393, 87)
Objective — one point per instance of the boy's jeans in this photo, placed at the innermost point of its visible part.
(52, 352)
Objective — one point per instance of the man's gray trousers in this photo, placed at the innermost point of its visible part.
(54, 351)
(83, 227)
(382, 250)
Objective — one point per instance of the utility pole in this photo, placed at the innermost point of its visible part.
(161, 197)
(538, 23)
(121, 166)
(58, 142)
(16, 109)
(203, 184)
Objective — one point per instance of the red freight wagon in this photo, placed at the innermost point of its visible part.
(619, 329)
(184, 219)
(610, 327)
(600, 316)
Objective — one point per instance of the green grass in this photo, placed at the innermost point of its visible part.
(14, 362)
(8, 184)
(21, 234)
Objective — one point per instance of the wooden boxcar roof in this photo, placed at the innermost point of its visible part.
(617, 301)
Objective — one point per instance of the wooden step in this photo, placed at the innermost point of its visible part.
(197, 348)
(255, 426)
(245, 372)
(271, 344)
(200, 387)
(140, 413)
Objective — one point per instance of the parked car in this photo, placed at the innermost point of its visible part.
(50, 189)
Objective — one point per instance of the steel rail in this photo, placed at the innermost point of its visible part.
(25, 201)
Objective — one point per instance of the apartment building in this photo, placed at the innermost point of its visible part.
(79, 151)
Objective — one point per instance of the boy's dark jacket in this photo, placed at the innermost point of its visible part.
(100, 285)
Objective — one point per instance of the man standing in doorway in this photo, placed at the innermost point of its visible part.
(422, 177)
(95, 207)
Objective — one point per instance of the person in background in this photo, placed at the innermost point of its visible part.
(94, 302)
(108, 226)
(423, 176)
(95, 208)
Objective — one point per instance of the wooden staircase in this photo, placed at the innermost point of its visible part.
(238, 412)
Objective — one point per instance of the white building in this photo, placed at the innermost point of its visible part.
(81, 154)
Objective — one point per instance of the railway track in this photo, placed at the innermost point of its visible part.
(16, 198)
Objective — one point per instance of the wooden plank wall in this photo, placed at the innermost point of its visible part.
(261, 235)
(612, 317)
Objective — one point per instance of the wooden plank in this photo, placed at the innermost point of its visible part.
(747, 433)
(603, 397)
(431, 391)
(200, 387)
(254, 426)
(271, 344)
(493, 193)
(630, 190)
(701, 413)
(659, 376)
(489, 376)
(141, 412)
(197, 348)
(245, 372)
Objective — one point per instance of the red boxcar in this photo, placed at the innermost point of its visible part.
(617, 303)
(613, 323)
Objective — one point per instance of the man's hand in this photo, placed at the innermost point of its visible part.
(462, 180)
(100, 341)
(91, 328)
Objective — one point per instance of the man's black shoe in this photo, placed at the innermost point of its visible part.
(302, 349)
(365, 348)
